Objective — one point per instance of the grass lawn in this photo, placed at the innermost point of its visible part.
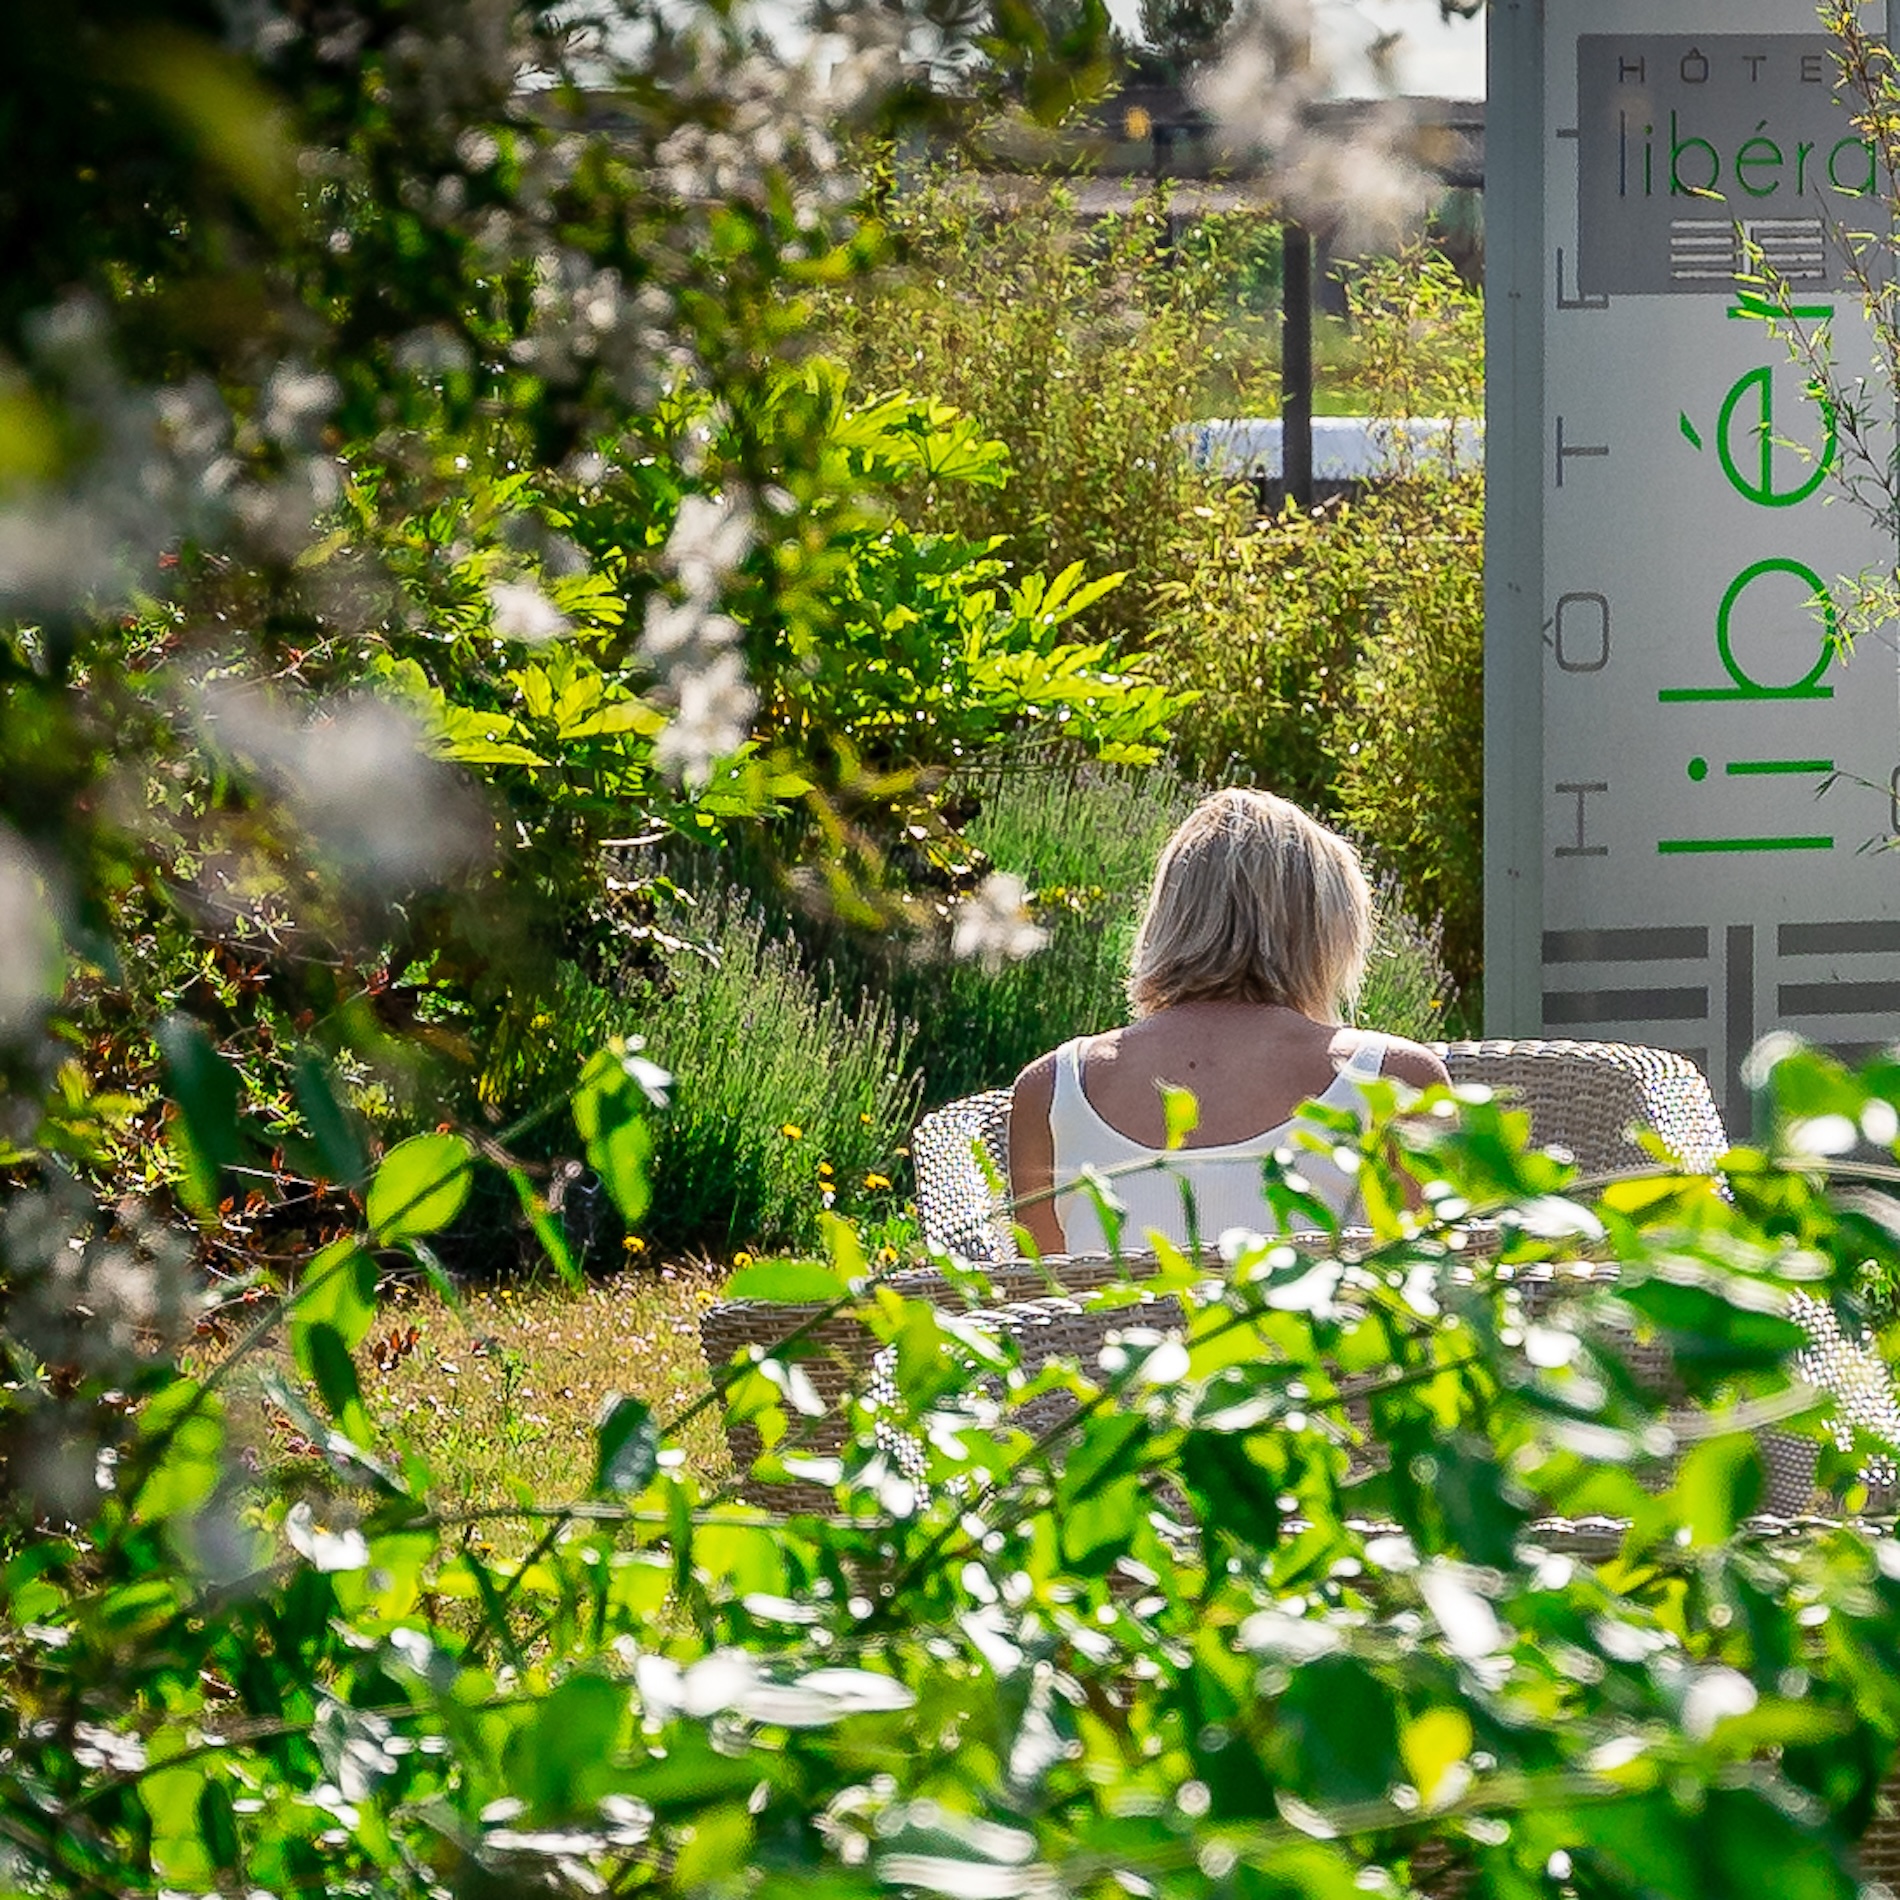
(501, 1392)
(502, 1396)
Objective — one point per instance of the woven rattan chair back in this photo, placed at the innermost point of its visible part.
(960, 1153)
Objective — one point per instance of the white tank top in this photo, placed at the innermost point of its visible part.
(1225, 1180)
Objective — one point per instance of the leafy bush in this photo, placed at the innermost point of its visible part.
(785, 1103)
(1082, 349)
(1186, 1634)
(1085, 841)
(1339, 655)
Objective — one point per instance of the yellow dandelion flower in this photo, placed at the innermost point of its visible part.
(742, 1258)
(877, 1181)
(825, 1167)
(887, 1256)
(633, 1244)
(791, 1131)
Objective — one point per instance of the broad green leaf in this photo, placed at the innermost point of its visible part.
(563, 1759)
(327, 1363)
(715, 1858)
(189, 1422)
(1431, 1744)
(205, 1089)
(547, 1229)
(172, 1798)
(625, 715)
(334, 1136)
(217, 1824)
(617, 1089)
(338, 1290)
(1719, 1484)
(626, 1448)
(421, 1186)
(844, 1246)
(794, 1282)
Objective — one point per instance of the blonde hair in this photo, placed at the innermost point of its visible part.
(1255, 902)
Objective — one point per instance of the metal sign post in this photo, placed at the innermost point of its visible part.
(1683, 773)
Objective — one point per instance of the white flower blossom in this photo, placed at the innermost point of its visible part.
(296, 400)
(327, 1550)
(716, 705)
(709, 540)
(677, 632)
(993, 926)
(523, 612)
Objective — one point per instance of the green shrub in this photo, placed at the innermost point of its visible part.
(1339, 655)
(1409, 754)
(1084, 349)
(1086, 844)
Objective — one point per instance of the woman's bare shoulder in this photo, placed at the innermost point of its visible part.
(1414, 1064)
(1035, 1087)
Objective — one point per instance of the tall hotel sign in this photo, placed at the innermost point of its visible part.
(1664, 704)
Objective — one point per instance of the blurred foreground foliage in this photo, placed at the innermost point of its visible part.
(1382, 1573)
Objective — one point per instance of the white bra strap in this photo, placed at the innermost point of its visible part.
(1368, 1059)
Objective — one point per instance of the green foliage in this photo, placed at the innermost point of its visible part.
(1339, 655)
(1086, 842)
(787, 1101)
(1081, 349)
(1188, 1624)
(1409, 749)
(783, 1101)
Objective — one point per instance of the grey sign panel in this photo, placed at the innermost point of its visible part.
(1701, 157)
(1685, 771)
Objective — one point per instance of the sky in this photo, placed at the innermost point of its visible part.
(1436, 58)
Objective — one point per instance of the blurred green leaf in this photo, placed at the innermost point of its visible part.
(420, 1186)
(610, 1110)
(794, 1282)
(1182, 1114)
(205, 1090)
(626, 1448)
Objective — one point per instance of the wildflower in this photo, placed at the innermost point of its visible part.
(876, 1182)
(791, 1131)
(825, 1167)
(865, 1119)
(742, 1258)
(633, 1244)
(887, 1256)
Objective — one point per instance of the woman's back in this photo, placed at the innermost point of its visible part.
(1254, 937)
(1249, 1066)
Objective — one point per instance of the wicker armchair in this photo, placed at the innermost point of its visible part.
(1585, 1096)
